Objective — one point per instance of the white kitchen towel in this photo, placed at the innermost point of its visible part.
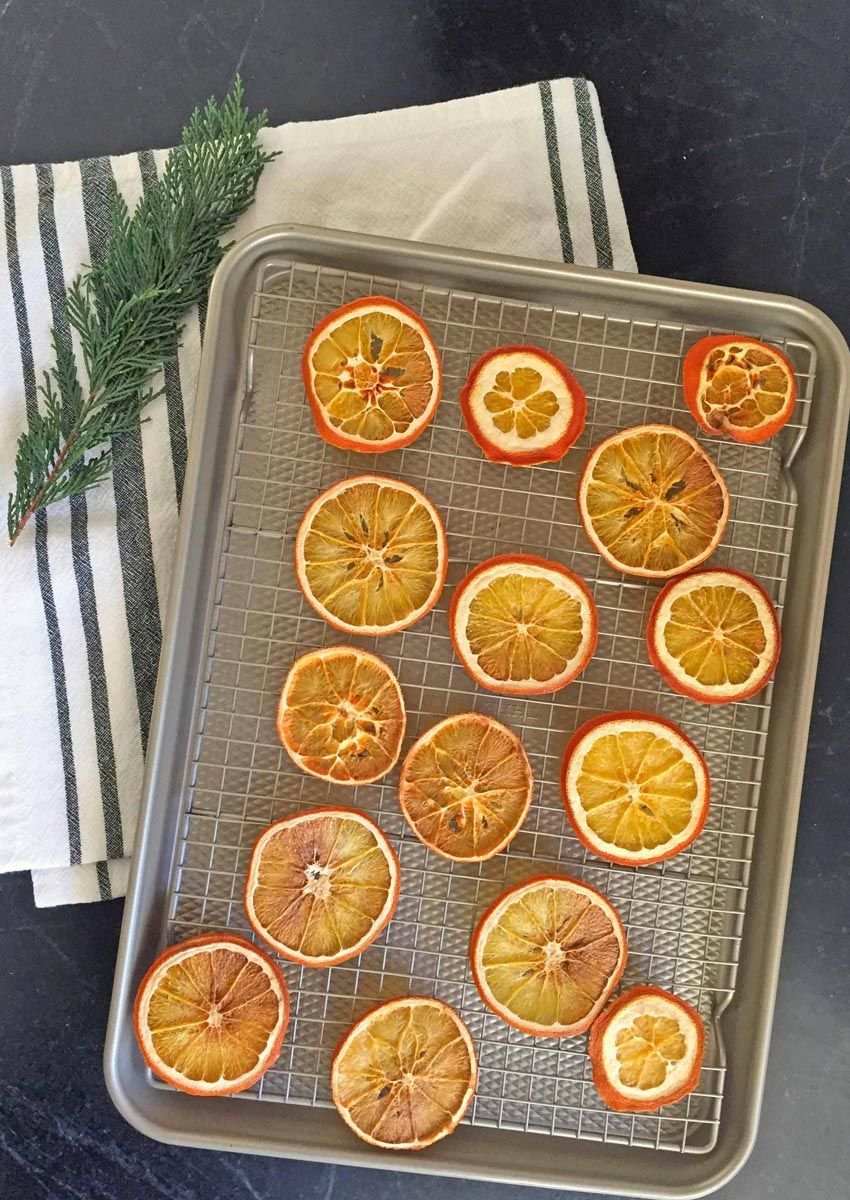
(526, 171)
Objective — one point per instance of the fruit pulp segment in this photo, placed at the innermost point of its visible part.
(524, 627)
(637, 789)
(211, 1014)
(373, 375)
(646, 1049)
(372, 555)
(343, 717)
(405, 1074)
(519, 404)
(550, 956)
(321, 885)
(743, 386)
(654, 501)
(466, 787)
(716, 634)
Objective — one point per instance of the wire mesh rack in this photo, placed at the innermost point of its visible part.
(684, 916)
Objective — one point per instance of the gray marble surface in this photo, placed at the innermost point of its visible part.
(730, 127)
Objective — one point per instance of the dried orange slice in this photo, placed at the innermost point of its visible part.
(547, 955)
(714, 636)
(646, 1050)
(371, 555)
(403, 1077)
(636, 790)
(652, 502)
(341, 715)
(522, 406)
(465, 787)
(372, 375)
(523, 625)
(739, 386)
(321, 885)
(210, 1015)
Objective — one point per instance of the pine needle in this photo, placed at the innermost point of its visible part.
(128, 310)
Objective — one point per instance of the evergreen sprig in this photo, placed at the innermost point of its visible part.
(128, 309)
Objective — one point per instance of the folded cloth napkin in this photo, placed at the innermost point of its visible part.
(526, 171)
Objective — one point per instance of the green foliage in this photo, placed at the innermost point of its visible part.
(128, 309)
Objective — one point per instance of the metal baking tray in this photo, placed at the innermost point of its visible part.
(706, 924)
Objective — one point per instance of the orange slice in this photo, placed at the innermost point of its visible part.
(372, 374)
(714, 636)
(547, 955)
(341, 715)
(321, 885)
(636, 790)
(465, 787)
(739, 386)
(523, 625)
(646, 1050)
(652, 502)
(371, 555)
(404, 1076)
(210, 1015)
(522, 406)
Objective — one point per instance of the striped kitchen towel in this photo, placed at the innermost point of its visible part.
(526, 171)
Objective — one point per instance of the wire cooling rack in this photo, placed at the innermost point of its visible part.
(684, 916)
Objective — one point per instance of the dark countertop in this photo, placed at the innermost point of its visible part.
(730, 127)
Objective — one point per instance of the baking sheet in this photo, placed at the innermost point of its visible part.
(684, 917)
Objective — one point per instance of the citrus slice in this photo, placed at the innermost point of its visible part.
(403, 1077)
(646, 1050)
(547, 955)
(210, 1015)
(465, 787)
(341, 715)
(522, 406)
(321, 885)
(372, 375)
(739, 386)
(636, 790)
(714, 636)
(371, 555)
(652, 502)
(523, 625)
